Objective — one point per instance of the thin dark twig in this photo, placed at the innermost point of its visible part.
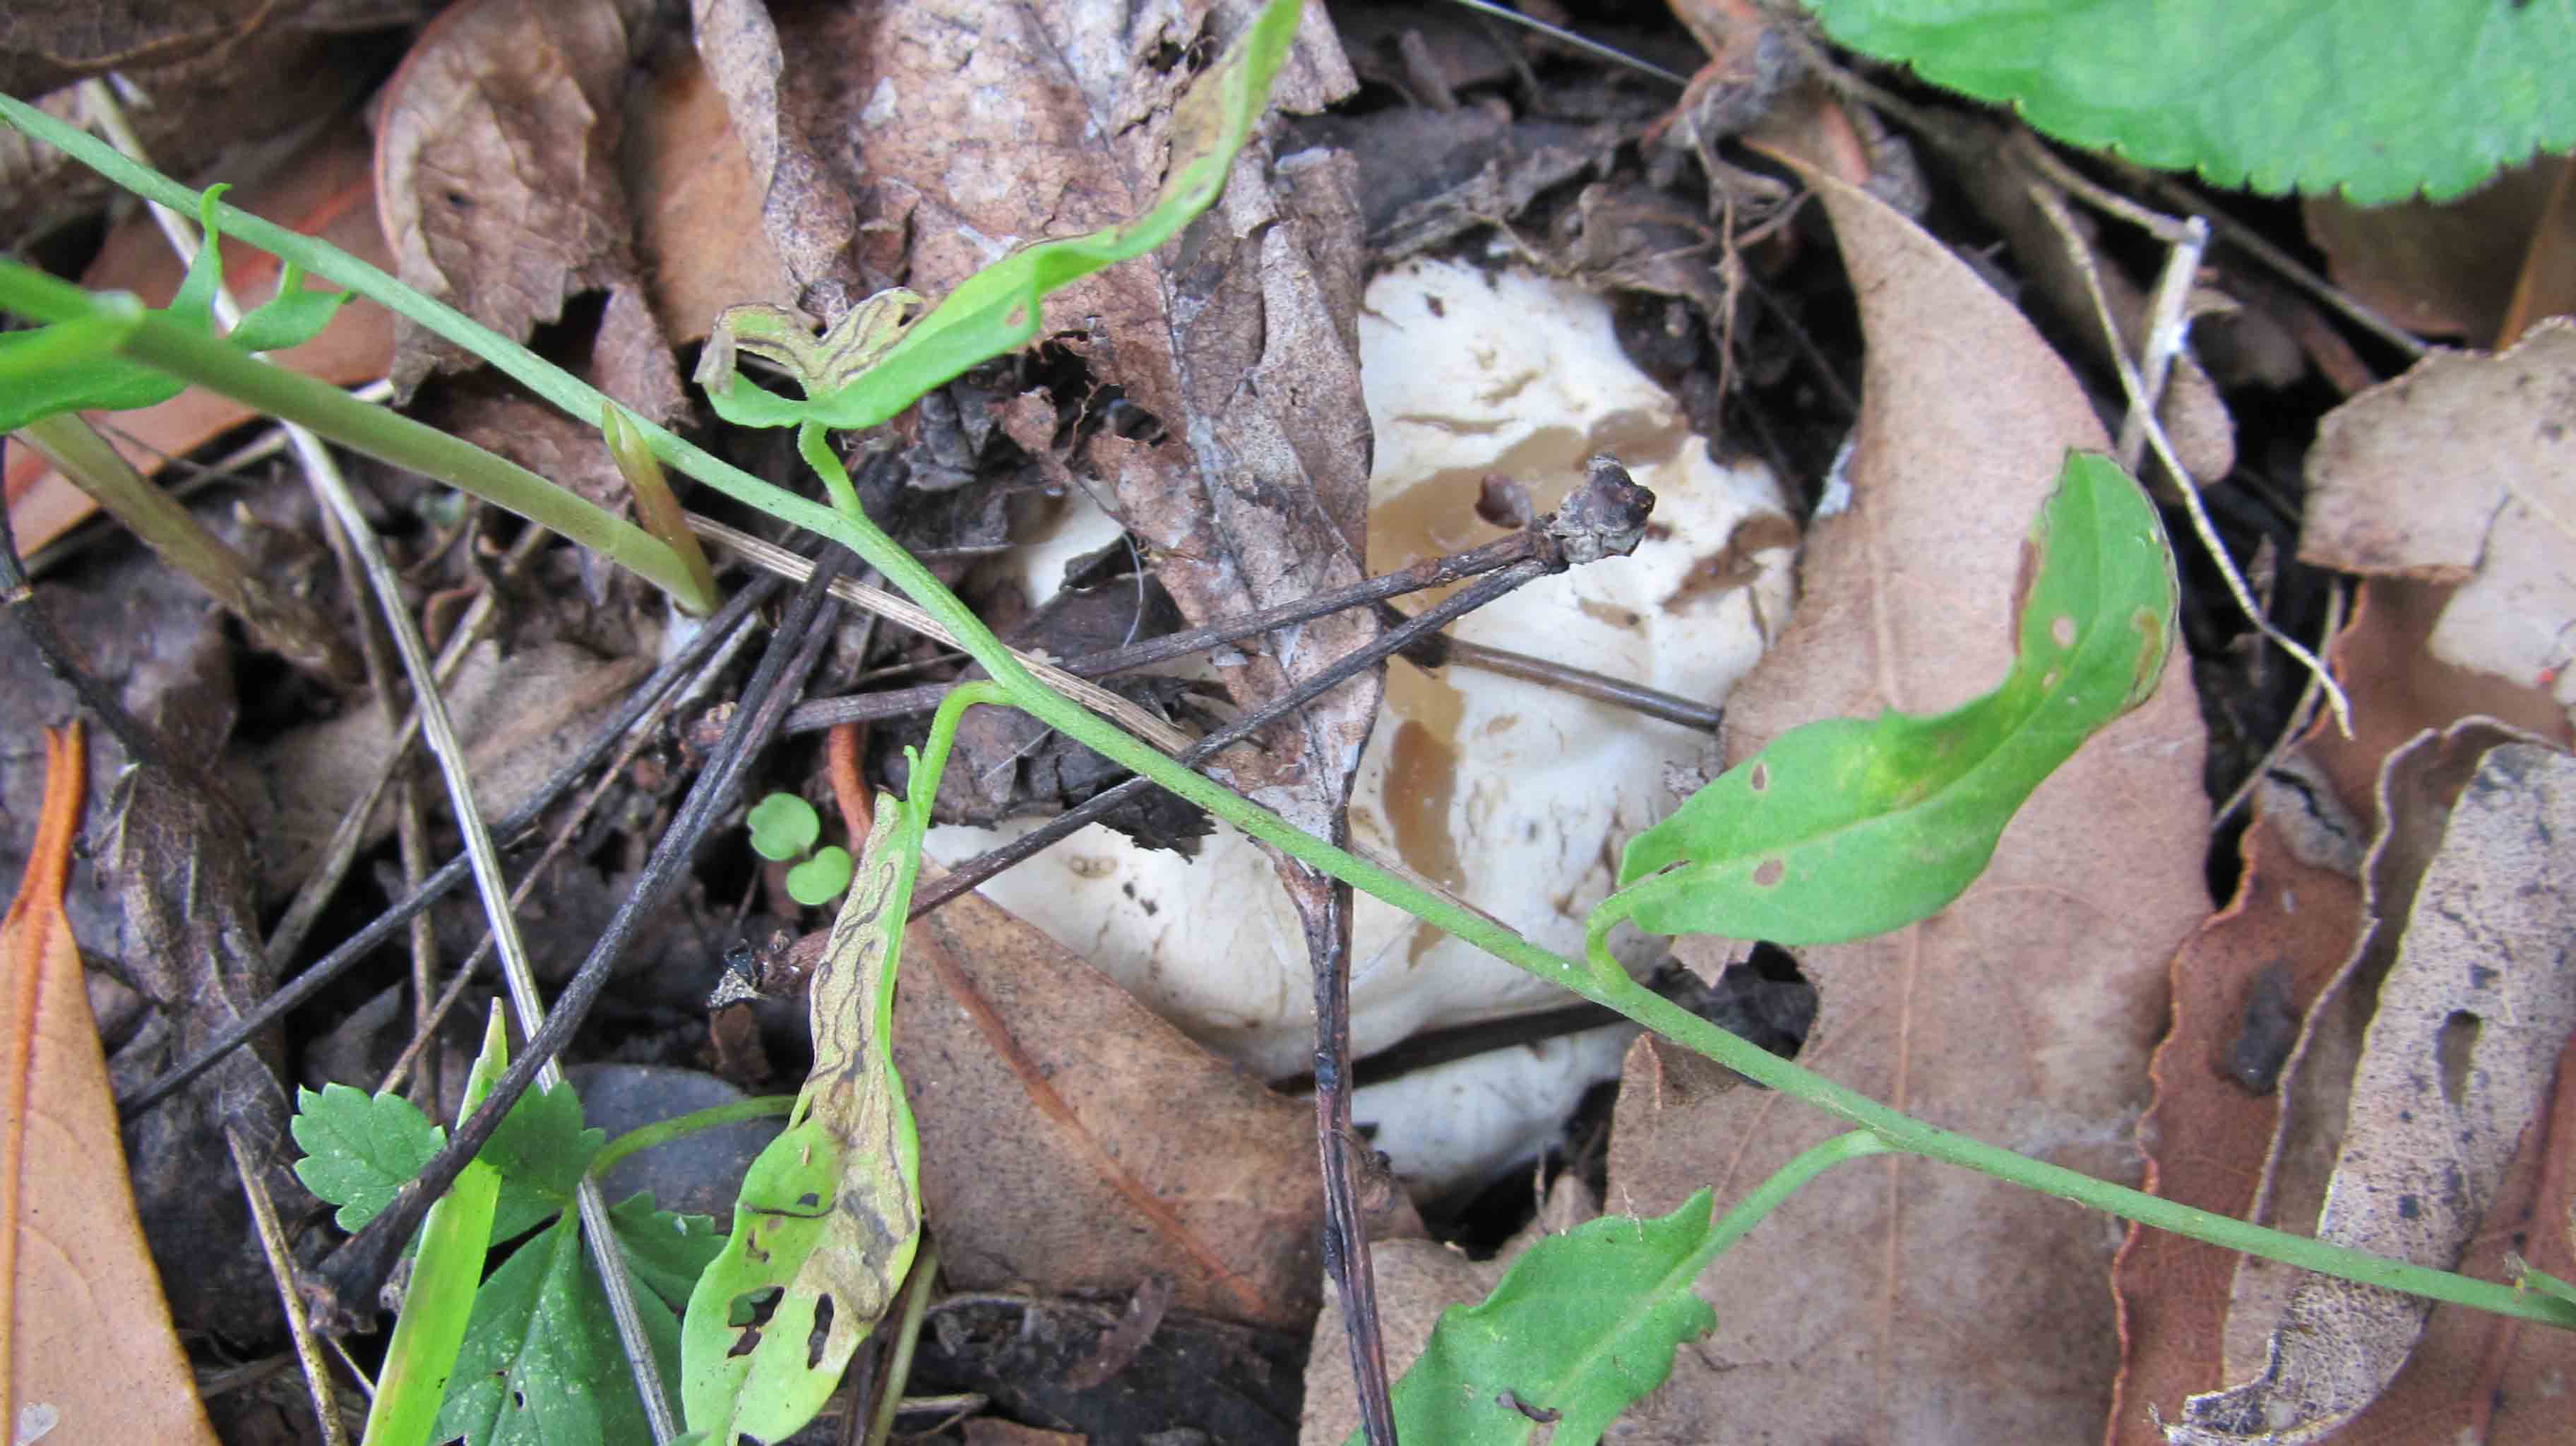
(976, 870)
(304, 985)
(1431, 572)
(351, 1276)
(1346, 1252)
(1605, 517)
(1581, 682)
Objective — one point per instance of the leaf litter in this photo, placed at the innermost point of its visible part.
(1269, 291)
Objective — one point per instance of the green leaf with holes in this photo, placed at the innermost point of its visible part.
(1855, 826)
(2373, 97)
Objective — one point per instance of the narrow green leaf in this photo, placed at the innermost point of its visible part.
(420, 1359)
(1851, 827)
(360, 1148)
(2377, 97)
(1579, 1328)
(783, 827)
(861, 375)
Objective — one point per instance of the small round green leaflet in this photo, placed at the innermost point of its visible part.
(820, 879)
(1854, 826)
(783, 827)
(2373, 97)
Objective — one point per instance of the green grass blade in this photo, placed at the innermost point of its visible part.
(455, 1238)
(1851, 827)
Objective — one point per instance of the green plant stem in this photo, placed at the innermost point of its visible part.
(1025, 692)
(1814, 1160)
(376, 431)
(680, 1127)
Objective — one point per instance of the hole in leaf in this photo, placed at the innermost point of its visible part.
(1769, 873)
(817, 1338)
(1759, 780)
(2456, 1043)
(749, 1313)
(2062, 631)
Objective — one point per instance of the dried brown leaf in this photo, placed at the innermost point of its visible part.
(1899, 1300)
(498, 186)
(2462, 983)
(698, 226)
(90, 1349)
(1072, 1140)
(2444, 268)
(2241, 985)
(2464, 471)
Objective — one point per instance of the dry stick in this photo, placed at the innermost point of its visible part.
(1433, 652)
(354, 1272)
(2302, 714)
(281, 1266)
(2142, 410)
(2244, 237)
(773, 558)
(432, 1015)
(1346, 1251)
(341, 851)
(365, 941)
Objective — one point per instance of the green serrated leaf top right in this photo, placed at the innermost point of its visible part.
(2377, 98)
(1849, 827)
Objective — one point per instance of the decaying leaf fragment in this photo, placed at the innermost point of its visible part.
(830, 1214)
(2459, 1059)
(2464, 471)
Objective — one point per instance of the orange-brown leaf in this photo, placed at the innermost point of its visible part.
(88, 1333)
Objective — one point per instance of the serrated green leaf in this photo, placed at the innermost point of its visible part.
(360, 1148)
(541, 1361)
(867, 375)
(1851, 827)
(1582, 1325)
(2376, 97)
(820, 879)
(783, 827)
(540, 1150)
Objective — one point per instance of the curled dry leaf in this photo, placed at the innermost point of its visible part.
(1898, 1300)
(2463, 981)
(2463, 471)
(498, 186)
(90, 1353)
